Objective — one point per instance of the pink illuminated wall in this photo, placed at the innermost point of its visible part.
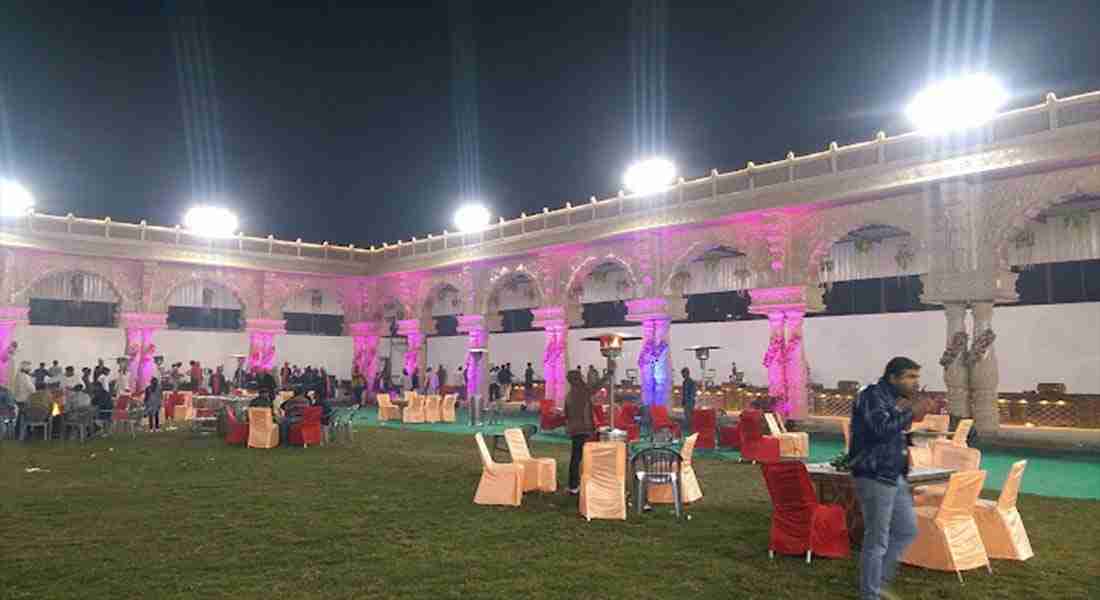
(10, 318)
(261, 343)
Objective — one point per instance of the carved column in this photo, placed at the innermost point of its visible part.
(984, 375)
(140, 348)
(785, 357)
(555, 357)
(410, 329)
(955, 374)
(653, 360)
(365, 336)
(476, 328)
(261, 342)
(10, 318)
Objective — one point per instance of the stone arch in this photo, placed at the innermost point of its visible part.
(311, 286)
(221, 282)
(582, 270)
(830, 226)
(501, 277)
(694, 251)
(435, 294)
(125, 302)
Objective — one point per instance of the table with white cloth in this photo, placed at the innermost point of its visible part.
(838, 487)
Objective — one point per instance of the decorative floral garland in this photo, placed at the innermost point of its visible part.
(776, 349)
(9, 352)
(956, 348)
(981, 347)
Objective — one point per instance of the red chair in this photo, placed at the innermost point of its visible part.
(549, 418)
(755, 446)
(624, 419)
(308, 431)
(599, 415)
(704, 421)
(170, 403)
(236, 433)
(729, 436)
(799, 524)
(659, 415)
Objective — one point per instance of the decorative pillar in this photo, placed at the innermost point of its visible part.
(10, 318)
(653, 360)
(140, 348)
(955, 374)
(410, 328)
(984, 375)
(261, 342)
(785, 358)
(365, 336)
(555, 357)
(476, 329)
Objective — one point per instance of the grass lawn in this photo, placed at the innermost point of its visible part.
(172, 515)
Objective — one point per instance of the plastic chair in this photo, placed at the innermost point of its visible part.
(603, 481)
(599, 416)
(549, 417)
(538, 473)
(262, 432)
(36, 417)
(308, 430)
(500, 484)
(791, 444)
(801, 525)
(387, 410)
(689, 483)
(704, 422)
(755, 446)
(447, 408)
(339, 423)
(79, 419)
(947, 535)
(236, 432)
(658, 467)
(660, 421)
(947, 456)
(999, 523)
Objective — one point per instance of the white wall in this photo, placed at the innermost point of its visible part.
(1059, 343)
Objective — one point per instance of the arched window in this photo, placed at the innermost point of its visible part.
(204, 305)
(314, 312)
(73, 299)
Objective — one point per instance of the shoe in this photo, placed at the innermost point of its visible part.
(574, 491)
(888, 593)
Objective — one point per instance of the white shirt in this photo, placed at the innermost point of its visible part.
(71, 381)
(78, 400)
(103, 381)
(24, 386)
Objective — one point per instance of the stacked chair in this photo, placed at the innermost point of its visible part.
(500, 484)
(800, 524)
(948, 538)
(791, 444)
(539, 474)
(387, 410)
(262, 432)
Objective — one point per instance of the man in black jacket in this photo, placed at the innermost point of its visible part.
(879, 461)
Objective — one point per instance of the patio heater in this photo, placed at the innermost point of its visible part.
(475, 398)
(611, 346)
(238, 381)
(703, 354)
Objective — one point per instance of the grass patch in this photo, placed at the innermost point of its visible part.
(391, 516)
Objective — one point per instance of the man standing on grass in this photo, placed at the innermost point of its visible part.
(879, 460)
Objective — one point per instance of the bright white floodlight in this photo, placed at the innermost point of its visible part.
(211, 221)
(472, 218)
(957, 104)
(649, 176)
(15, 200)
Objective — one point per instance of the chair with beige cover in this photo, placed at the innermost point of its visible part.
(185, 410)
(846, 429)
(500, 484)
(933, 423)
(433, 409)
(947, 535)
(946, 456)
(962, 432)
(791, 444)
(414, 412)
(538, 473)
(387, 410)
(447, 408)
(689, 484)
(603, 481)
(262, 432)
(999, 522)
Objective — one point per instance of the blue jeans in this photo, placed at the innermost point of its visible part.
(889, 526)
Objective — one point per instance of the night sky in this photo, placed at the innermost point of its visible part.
(363, 125)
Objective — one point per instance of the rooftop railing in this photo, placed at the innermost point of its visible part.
(1053, 114)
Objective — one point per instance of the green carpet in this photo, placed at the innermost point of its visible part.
(1067, 476)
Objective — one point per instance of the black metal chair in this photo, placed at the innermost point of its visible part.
(35, 417)
(657, 466)
(501, 445)
(79, 419)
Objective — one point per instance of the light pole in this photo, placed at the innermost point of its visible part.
(649, 176)
(955, 104)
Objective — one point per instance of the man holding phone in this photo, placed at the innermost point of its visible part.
(879, 460)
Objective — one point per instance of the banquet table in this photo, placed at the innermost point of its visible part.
(837, 487)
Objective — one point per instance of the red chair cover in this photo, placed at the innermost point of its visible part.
(548, 417)
(237, 433)
(308, 431)
(624, 419)
(754, 445)
(729, 436)
(122, 408)
(659, 414)
(799, 523)
(704, 421)
(599, 415)
(170, 403)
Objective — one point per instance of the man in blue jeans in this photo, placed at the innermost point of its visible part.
(879, 460)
